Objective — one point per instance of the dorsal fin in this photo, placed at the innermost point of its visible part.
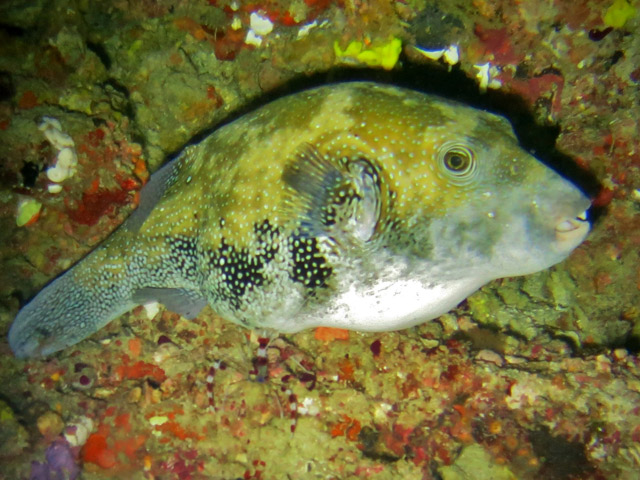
(339, 198)
(151, 194)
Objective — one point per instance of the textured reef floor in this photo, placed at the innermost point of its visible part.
(533, 377)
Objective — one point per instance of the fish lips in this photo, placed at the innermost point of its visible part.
(569, 232)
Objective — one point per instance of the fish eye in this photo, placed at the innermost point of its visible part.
(457, 163)
(457, 160)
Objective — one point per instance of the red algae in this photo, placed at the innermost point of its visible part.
(95, 137)
(139, 370)
(348, 427)
(329, 334)
(28, 100)
(114, 448)
(498, 44)
(96, 451)
(95, 205)
(135, 347)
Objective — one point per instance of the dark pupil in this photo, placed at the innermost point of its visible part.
(455, 161)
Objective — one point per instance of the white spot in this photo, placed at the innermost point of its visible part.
(382, 411)
(305, 29)
(57, 174)
(431, 54)
(53, 131)
(486, 76)
(452, 55)
(158, 420)
(66, 159)
(482, 75)
(253, 39)
(151, 309)
(49, 123)
(77, 431)
(54, 188)
(260, 25)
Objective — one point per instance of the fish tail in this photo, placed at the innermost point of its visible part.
(73, 306)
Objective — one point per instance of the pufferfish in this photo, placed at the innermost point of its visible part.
(357, 205)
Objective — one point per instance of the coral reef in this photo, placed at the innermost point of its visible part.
(532, 377)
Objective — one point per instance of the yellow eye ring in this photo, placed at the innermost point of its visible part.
(458, 163)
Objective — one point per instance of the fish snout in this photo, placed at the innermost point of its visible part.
(571, 231)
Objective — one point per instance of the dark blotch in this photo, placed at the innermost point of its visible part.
(374, 445)
(450, 373)
(12, 30)
(43, 332)
(375, 348)
(266, 235)
(7, 88)
(241, 270)
(549, 71)
(78, 367)
(596, 35)
(308, 378)
(435, 28)
(561, 459)
(309, 265)
(29, 172)
(183, 256)
(153, 384)
(101, 53)
(615, 58)
(118, 96)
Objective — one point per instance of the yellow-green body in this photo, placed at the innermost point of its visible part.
(356, 205)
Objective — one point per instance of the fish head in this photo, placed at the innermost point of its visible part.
(497, 210)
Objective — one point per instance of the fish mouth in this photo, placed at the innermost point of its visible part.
(571, 231)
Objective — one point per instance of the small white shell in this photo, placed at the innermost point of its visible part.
(57, 174)
(49, 123)
(77, 432)
(67, 158)
(253, 39)
(260, 25)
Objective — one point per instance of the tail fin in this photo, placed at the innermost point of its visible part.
(101, 287)
(72, 307)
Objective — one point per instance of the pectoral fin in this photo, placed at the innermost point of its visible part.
(187, 303)
(340, 198)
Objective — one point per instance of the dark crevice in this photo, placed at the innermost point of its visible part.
(119, 97)
(13, 30)
(101, 53)
(7, 89)
(560, 458)
(29, 172)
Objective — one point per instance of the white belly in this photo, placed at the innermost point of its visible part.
(388, 303)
